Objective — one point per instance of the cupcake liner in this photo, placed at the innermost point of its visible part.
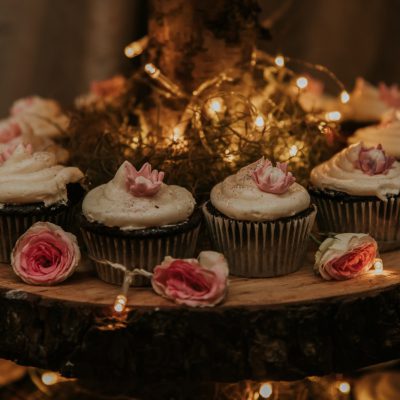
(378, 218)
(13, 225)
(136, 252)
(261, 249)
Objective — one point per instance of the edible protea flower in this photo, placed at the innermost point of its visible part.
(390, 95)
(145, 182)
(374, 161)
(271, 179)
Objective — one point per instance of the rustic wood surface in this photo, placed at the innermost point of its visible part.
(282, 328)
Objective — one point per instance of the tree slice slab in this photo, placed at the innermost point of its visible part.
(282, 328)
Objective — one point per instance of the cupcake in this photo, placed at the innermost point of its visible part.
(357, 190)
(260, 219)
(387, 133)
(136, 220)
(33, 188)
(367, 105)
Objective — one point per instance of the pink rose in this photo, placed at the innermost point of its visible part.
(195, 283)
(145, 182)
(112, 87)
(9, 130)
(390, 95)
(271, 179)
(374, 161)
(345, 256)
(45, 254)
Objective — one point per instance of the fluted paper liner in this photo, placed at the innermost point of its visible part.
(378, 218)
(12, 226)
(261, 249)
(133, 253)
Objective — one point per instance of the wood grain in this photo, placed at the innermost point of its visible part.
(300, 287)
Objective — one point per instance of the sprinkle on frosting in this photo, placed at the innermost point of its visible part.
(239, 197)
(271, 179)
(34, 178)
(143, 183)
(373, 160)
(342, 173)
(113, 205)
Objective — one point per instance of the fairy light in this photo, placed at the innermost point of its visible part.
(378, 266)
(344, 97)
(176, 134)
(152, 70)
(265, 390)
(302, 82)
(293, 150)
(136, 48)
(344, 387)
(165, 82)
(279, 61)
(49, 378)
(120, 303)
(259, 122)
(333, 116)
(216, 105)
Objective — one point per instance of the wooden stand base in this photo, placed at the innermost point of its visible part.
(281, 328)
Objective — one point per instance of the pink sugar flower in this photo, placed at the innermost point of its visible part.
(9, 130)
(269, 179)
(10, 149)
(145, 182)
(374, 161)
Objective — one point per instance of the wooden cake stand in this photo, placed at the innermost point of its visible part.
(278, 328)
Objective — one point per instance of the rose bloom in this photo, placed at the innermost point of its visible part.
(45, 254)
(195, 283)
(345, 256)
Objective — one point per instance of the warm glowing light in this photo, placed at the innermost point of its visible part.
(302, 82)
(293, 150)
(378, 266)
(265, 390)
(120, 303)
(176, 134)
(150, 69)
(49, 378)
(344, 387)
(279, 61)
(259, 122)
(136, 48)
(333, 116)
(216, 105)
(344, 97)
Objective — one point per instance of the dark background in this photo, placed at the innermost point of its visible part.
(55, 48)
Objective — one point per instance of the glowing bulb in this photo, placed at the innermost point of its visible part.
(344, 97)
(49, 378)
(259, 122)
(279, 61)
(378, 266)
(150, 69)
(293, 150)
(136, 48)
(120, 303)
(216, 105)
(265, 390)
(344, 387)
(333, 116)
(302, 82)
(176, 134)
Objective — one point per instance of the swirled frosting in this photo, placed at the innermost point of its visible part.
(112, 205)
(44, 116)
(365, 103)
(35, 178)
(387, 133)
(238, 197)
(341, 174)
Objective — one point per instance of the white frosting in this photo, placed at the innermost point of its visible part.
(238, 197)
(387, 134)
(34, 178)
(365, 103)
(112, 205)
(340, 174)
(44, 116)
(38, 143)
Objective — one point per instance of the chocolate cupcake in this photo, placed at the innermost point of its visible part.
(136, 220)
(33, 188)
(260, 219)
(357, 191)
